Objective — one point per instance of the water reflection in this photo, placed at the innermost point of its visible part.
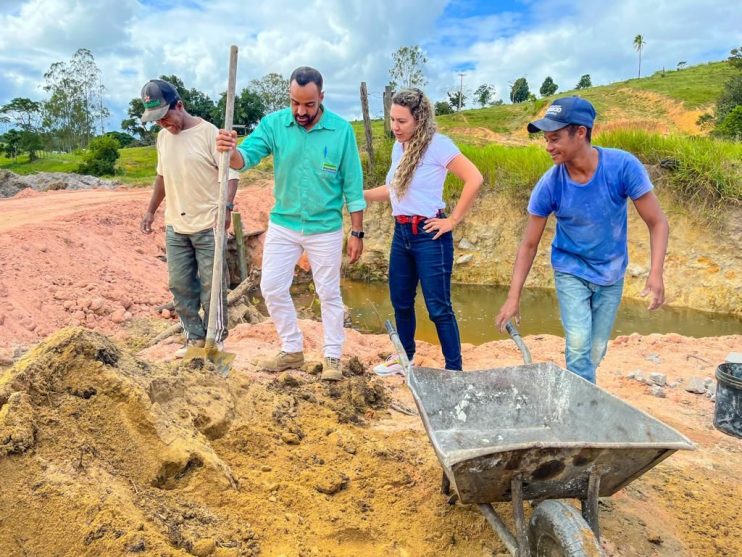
(476, 307)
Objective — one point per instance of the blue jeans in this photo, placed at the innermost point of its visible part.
(418, 258)
(588, 312)
(190, 267)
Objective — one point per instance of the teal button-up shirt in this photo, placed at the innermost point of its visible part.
(314, 171)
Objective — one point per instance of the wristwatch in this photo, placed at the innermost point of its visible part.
(358, 234)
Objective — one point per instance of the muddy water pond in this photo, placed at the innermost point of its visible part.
(477, 306)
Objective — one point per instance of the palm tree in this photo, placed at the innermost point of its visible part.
(639, 43)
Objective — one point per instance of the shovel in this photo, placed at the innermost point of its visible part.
(210, 352)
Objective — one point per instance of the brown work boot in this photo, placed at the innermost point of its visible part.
(283, 360)
(331, 369)
(195, 343)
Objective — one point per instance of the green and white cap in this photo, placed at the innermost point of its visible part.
(157, 96)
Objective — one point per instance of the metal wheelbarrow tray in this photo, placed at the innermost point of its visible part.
(536, 432)
(538, 422)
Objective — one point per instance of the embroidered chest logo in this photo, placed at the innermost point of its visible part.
(329, 167)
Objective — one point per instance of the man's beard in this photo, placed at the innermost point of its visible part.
(308, 121)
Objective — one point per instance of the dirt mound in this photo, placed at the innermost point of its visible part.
(12, 183)
(83, 426)
(102, 453)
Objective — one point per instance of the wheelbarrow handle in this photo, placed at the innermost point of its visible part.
(518, 340)
(394, 337)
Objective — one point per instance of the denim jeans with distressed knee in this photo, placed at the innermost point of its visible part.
(588, 312)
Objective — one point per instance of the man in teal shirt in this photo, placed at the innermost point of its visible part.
(317, 169)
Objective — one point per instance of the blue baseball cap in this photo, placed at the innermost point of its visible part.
(157, 96)
(563, 112)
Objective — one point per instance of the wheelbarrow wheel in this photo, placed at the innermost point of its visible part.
(558, 530)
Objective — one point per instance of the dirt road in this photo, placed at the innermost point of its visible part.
(79, 258)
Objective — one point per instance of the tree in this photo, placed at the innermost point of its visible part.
(134, 125)
(75, 106)
(682, 64)
(25, 113)
(442, 107)
(585, 82)
(548, 87)
(30, 143)
(248, 109)
(19, 142)
(735, 60)
(639, 44)
(100, 157)
(453, 99)
(273, 90)
(730, 98)
(407, 71)
(484, 94)
(196, 102)
(519, 90)
(11, 144)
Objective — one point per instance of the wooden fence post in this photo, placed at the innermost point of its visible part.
(240, 240)
(367, 128)
(387, 108)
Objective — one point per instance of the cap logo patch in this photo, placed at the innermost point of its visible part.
(150, 104)
(554, 109)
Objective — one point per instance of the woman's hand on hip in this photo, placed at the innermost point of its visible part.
(439, 226)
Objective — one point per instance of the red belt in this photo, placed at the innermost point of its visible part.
(413, 220)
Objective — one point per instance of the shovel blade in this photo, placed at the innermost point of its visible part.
(222, 360)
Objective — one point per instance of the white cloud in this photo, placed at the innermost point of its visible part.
(352, 40)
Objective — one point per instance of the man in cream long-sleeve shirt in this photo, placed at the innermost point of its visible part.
(188, 180)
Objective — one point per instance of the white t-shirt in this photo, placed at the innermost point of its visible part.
(424, 195)
(189, 163)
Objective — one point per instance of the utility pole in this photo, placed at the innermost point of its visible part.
(461, 90)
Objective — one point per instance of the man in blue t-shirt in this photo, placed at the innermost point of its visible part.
(587, 189)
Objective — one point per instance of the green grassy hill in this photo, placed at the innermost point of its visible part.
(653, 117)
(667, 101)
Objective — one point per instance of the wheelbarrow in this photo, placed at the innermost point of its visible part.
(539, 433)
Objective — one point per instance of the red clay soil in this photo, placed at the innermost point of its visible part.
(78, 258)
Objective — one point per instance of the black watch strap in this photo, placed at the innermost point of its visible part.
(358, 234)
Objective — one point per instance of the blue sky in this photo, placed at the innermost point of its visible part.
(492, 42)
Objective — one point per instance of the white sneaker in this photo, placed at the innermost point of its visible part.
(391, 366)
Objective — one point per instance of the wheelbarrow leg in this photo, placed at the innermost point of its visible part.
(590, 504)
(446, 490)
(445, 485)
(521, 529)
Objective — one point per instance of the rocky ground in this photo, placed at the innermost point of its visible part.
(110, 449)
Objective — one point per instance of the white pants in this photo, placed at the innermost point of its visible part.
(281, 251)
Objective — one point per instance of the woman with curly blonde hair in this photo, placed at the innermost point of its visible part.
(422, 246)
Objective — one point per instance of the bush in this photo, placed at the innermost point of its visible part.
(100, 158)
(731, 126)
(730, 98)
(124, 139)
(704, 174)
(442, 107)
